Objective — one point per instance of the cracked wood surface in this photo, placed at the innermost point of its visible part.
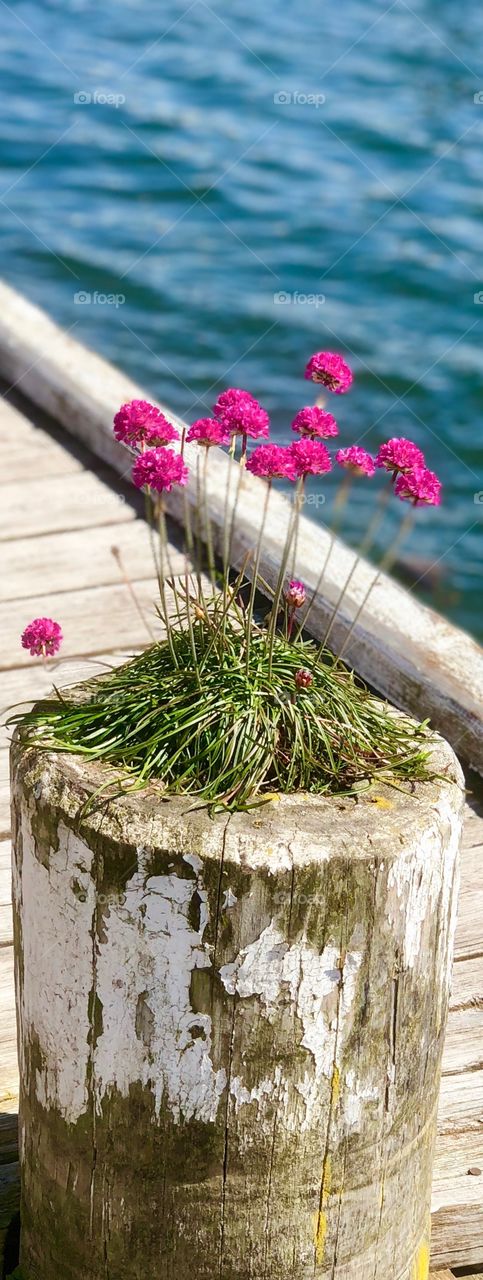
(457, 1222)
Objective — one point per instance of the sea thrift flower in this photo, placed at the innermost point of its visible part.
(313, 421)
(295, 594)
(399, 455)
(421, 487)
(272, 462)
(43, 637)
(159, 469)
(303, 678)
(241, 414)
(139, 423)
(330, 369)
(311, 458)
(208, 431)
(356, 460)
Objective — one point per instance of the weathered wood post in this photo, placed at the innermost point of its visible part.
(230, 1029)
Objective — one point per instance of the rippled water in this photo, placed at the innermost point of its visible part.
(233, 156)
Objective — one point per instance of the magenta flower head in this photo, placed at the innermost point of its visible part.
(159, 469)
(241, 414)
(356, 460)
(43, 637)
(208, 431)
(303, 678)
(272, 462)
(421, 487)
(139, 423)
(295, 594)
(311, 458)
(331, 370)
(313, 421)
(399, 455)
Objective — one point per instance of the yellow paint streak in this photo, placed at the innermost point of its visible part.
(382, 802)
(421, 1262)
(320, 1236)
(335, 1087)
(321, 1223)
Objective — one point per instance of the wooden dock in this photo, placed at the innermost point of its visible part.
(62, 511)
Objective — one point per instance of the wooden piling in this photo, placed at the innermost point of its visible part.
(230, 1028)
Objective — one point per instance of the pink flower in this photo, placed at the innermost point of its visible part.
(295, 594)
(399, 455)
(208, 431)
(139, 423)
(356, 460)
(303, 678)
(421, 487)
(231, 399)
(159, 469)
(241, 414)
(272, 462)
(43, 637)
(330, 369)
(311, 458)
(313, 421)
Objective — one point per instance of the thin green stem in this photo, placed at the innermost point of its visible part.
(292, 526)
(256, 566)
(384, 567)
(365, 546)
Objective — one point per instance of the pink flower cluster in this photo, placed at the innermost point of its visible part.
(331, 370)
(356, 460)
(159, 469)
(43, 637)
(208, 431)
(272, 462)
(241, 414)
(413, 482)
(278, 462)
(420, 486)
(312, 421)
(139, 423)
(399, 455)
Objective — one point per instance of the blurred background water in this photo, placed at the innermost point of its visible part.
(254, 182)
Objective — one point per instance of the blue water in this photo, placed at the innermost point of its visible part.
(190, 187)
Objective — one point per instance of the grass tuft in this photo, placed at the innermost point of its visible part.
(213, 717)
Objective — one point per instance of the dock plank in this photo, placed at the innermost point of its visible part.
(65, 559)
(58, 503)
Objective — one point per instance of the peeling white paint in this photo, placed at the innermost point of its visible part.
(420, 873)
(57, 908)
(313, 986)
(229, 900)
(141, 969)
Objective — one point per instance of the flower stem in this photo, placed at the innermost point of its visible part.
(256, 566)
(291, 530)
(384, 567)
(366, 543)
